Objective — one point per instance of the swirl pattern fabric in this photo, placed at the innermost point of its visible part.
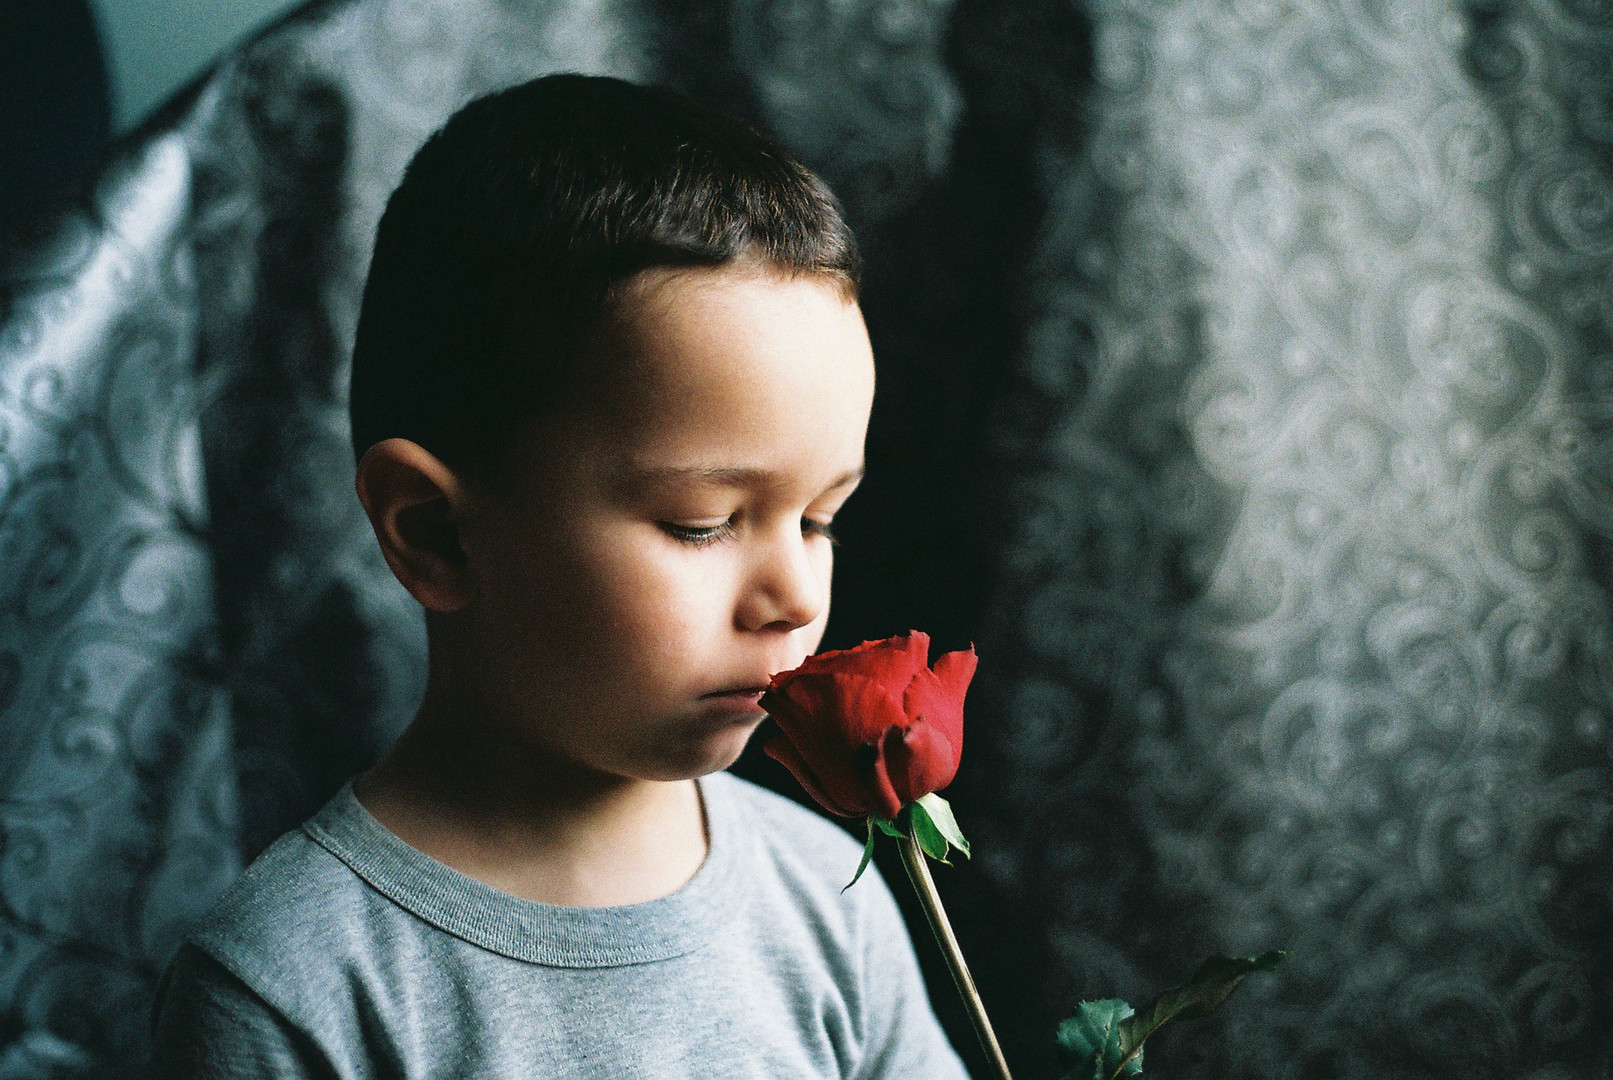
(1246, 372)
(118, 798)
(1308, 575)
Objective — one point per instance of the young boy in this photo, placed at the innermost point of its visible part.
(610, 387)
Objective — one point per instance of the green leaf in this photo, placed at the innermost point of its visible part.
(888, 827)
(1090, 1041)
(939, 812)
(929, 838)
(868, 854)
(1212, 984)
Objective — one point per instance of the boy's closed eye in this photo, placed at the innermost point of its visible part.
(690, 483)
(701, 536)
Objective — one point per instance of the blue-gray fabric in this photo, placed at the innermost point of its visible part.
(344, 952)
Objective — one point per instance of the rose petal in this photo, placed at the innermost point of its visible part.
(853, 707)
(781, 750)
(918, 761)
(892, 661)
(835, 724)
(883, 799)
(937, 697)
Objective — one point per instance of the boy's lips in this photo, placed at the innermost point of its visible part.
(739, 699)
(737, 692)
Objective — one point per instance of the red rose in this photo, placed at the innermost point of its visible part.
(870, 729)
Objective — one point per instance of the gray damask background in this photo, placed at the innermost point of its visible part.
(1246, 394)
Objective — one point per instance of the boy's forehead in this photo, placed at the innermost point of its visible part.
(638, 473)
(711, 309)
(719, 378)
(715, 333)
(659, 287)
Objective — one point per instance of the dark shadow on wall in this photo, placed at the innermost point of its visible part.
(295, 654)
(55, 102)
(690, 51)
(948, 317)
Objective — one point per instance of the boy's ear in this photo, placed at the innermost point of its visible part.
(415, 504)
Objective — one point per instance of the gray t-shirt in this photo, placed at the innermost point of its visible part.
(344, 952)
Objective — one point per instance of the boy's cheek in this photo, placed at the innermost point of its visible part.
(814, 639)
(616, 605)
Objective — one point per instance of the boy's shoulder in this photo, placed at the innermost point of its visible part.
(296, 900)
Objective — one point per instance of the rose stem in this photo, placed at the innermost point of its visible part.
(919, 874)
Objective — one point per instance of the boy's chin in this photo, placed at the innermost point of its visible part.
(712, 754)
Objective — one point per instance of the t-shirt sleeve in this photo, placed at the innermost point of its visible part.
(903, 1037)
(207, 1023)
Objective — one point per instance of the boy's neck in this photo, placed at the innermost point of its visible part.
(531, 826)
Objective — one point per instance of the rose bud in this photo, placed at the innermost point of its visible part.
(871, 729)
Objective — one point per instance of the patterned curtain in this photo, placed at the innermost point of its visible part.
(1246, 393)
(1305, 586)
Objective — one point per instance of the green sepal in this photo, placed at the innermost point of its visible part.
(868, 854)
(888, 827)
(939, 813)
(929, 838)
(1090, 1042)
(1212, 984)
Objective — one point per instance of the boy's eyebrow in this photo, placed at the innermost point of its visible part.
(732, 475)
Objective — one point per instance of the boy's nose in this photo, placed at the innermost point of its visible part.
(787, 588)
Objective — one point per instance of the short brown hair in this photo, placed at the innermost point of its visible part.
(516, 223)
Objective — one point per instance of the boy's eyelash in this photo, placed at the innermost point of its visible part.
(701, 537)
(698, 537)
(820, 528)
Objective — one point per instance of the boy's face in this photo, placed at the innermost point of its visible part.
(658, 548)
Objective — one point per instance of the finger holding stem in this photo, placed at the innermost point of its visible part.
(919, 874)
